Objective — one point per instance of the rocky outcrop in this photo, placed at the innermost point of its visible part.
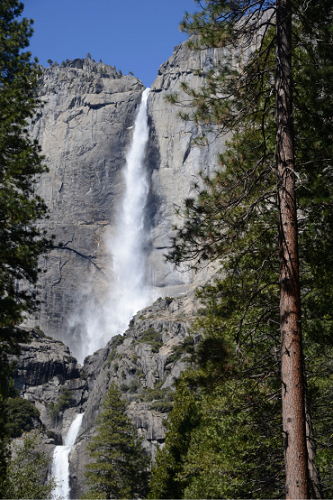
(47, 375)
(144, 363)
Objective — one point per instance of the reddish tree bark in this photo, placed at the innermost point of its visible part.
(293, 403)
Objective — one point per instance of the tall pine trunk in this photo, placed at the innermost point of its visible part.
(293, 407)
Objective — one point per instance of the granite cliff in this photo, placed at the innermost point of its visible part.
(85, 129)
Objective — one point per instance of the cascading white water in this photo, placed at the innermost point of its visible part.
(128, 291)
(60, 463)
(127, 248)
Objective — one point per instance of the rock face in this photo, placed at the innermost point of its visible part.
(144, 370)
(85, 130)
(44, 372)
(174, 161)
(144, 363)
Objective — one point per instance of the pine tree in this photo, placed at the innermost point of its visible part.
(20, 207)
(20, 163)
(167, 480)
(120, 466)
(239, 215)
(236, 382)
(26, 475)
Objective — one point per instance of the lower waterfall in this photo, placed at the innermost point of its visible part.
(128, 291)
(60, 464)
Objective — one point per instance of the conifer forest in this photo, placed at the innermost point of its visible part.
(221, 385)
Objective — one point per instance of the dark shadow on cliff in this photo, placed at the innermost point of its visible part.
(154, 200)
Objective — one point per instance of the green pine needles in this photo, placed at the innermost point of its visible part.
(120, 464)
(21, 242)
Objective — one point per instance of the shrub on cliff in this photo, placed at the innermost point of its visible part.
(64, 402)
(21, 415)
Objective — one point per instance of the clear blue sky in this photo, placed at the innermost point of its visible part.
(133, 35)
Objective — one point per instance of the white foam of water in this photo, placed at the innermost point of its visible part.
(60, 463)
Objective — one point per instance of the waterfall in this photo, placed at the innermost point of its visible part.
(128, 291)
(60, 464)
(127, 248)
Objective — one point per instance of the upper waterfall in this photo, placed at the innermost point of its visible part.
(127, 248)
(128, 291)
(86, 131)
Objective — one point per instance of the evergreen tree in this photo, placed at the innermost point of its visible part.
(26, 475)
(20, 163)
(236, 384)
(120, 466)
(20, 207)
(236, 219)
(167, 480)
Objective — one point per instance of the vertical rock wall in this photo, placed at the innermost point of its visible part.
(85, 129)
(175, 162)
